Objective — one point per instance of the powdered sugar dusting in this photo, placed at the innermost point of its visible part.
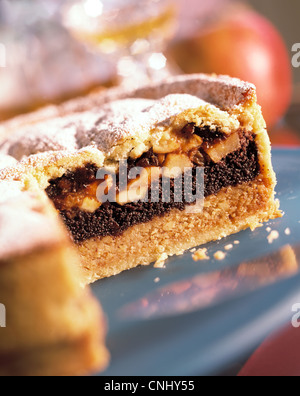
(106, 120)
(101, 128)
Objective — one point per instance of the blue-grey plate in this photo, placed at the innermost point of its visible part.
(195, 318)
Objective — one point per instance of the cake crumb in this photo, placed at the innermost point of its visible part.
(237, 242)
(273, 236)
(193, 250)
(156, 280)
(160, 263)
(229, 247)
(220, 255)
(269, 229)
(287, 231)
(200, 255)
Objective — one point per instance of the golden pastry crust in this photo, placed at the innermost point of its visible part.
(54, 327)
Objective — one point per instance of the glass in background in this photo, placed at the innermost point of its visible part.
(41, 62)
(132, 33)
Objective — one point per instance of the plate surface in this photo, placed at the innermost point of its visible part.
(194, 318)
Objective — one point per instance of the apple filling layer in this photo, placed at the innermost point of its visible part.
(227, 161)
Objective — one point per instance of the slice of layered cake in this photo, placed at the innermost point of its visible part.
(53, 325)
(116, 171)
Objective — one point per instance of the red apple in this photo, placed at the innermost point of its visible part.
(242, 44)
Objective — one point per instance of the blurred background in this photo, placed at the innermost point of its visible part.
(55, 50)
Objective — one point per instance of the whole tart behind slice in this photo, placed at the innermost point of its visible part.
(53, 325)
(208, 122)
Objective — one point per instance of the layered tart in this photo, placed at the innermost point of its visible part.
(124, 171)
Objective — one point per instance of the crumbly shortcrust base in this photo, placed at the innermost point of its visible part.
(232, 210)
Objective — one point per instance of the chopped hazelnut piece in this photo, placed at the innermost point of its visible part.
(137, 189)
(166, 145)
(194, 142)
(175, 165)
(197, 157)
(90, 205)
(161, 159)
(224, 148)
